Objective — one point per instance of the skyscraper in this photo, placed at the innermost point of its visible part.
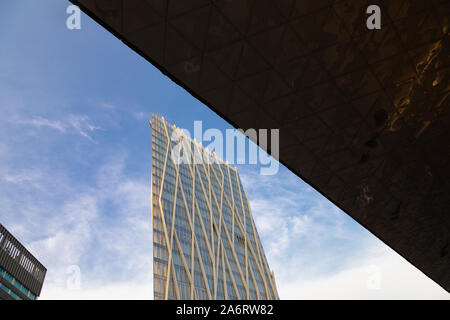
(205, 243)
(21, 274)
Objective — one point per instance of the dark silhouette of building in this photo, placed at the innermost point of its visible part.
(21, 274)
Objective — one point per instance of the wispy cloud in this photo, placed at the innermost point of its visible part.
(26, 175)
(106, 105)
(139, 115)
(81, 124)
(42, 122)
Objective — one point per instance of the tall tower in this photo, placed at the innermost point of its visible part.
(205, 243)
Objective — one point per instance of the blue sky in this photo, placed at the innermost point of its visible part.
(75, 166)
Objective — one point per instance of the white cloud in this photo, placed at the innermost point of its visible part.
(106, 105)
(382, 274)
(318, 252)
(26, 175)
(66, 236)
(42, 122)
(78, 123)
(140, 115)
(120, 291)
(104, 229)
(83, 126)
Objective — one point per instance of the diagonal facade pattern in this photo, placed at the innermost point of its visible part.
(205, 243)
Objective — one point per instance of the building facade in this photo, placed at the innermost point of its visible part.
(205, 243)
(21, 274)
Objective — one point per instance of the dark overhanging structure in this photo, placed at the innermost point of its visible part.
(363, 114)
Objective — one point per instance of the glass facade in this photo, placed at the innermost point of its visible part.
(205, 243)
(5, 275)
